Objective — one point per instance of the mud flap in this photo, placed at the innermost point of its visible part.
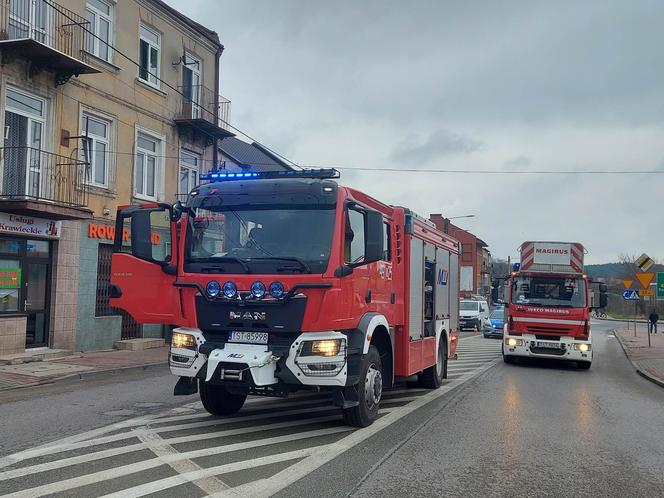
(186, 386)
(346, 397)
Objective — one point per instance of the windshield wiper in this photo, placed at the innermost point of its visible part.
(285, 258)
(221, 259)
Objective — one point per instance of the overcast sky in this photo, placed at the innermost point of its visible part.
(463, 85)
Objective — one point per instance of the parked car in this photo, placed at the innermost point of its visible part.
(473, 314)
(496, 323)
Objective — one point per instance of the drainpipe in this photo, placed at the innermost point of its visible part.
(215, 151)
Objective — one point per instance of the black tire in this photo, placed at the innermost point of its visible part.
(583, 365)
(369, 391)
(432, 377)
(486, 336)
(218, 401)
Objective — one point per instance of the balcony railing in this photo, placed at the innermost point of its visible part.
(197, 112)
(32, 174)
(51, 36)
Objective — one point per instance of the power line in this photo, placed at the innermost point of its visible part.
(495, 171)
(128, 58)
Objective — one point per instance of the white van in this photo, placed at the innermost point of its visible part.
(473, 313)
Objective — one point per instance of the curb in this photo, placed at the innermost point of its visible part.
(639, 370)
(89, 374)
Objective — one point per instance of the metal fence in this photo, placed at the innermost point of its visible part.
(198, 102)
(45, 22)
(29, 173)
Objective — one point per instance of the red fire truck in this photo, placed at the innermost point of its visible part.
(281, 281)
(548, 304)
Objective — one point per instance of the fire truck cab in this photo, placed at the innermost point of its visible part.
(283, 281)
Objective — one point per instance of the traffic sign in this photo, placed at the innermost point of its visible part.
(645, 278)
(630, 295)
(660, 285)
(647, 292)
(627, 283)
(644, 262)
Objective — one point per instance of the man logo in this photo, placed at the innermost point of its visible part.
(442, 276)
(255, 316)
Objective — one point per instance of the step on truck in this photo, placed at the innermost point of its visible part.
(283, 281)
(549, 299)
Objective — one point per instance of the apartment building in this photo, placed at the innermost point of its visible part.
(105, 103)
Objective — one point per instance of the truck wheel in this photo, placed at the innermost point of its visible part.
(507, 358)
(218, 401)
(432, 377)
(370, 389)
(584, 365)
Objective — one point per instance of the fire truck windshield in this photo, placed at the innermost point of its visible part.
(549, 291)
(261, 239)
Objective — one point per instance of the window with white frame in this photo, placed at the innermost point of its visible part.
(147, 169)
(97, 148)
(190, 167)
(149, 55)
(99, 14)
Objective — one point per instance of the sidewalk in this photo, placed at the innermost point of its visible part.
(648, 362)
(79, 365)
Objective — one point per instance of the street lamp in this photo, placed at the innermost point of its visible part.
(446, 221)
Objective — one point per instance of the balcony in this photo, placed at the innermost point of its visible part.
(51, 37)
(198, 116)
(38, 183)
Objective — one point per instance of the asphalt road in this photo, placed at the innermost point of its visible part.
(537, 429)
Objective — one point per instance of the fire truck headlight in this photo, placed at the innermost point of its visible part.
(584, 348)
(213, 288)
(326, 347)
(276, 290)
(183, 341)
(512, 342)
(230, 290)
(258, 289)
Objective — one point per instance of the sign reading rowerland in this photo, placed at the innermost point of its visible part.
(29, 226)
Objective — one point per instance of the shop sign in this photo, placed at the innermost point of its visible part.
(29, 226)
(108, 232)
(10, 278)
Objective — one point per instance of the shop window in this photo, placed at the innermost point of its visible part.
(37, 248)
(10, 285)
(102, 305)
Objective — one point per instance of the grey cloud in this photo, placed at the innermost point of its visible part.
(440, 143)
(518, 163)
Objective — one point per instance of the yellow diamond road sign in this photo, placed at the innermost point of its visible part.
(644, 262)
(627, 283)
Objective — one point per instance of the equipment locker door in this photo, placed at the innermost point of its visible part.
(144, 264)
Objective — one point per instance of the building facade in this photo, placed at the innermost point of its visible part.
(105, 104)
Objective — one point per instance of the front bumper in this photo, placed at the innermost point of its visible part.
(470, 323)
(251, 366)
(527, 347)
(493, 332)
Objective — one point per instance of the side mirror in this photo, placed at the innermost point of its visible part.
(598, 295)
(373, 238)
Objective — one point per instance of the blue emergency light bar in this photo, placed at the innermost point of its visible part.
(222, 175)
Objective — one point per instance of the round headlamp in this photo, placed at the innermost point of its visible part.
(258, 289)
(213, 288)
(277, 290)
(230, 290)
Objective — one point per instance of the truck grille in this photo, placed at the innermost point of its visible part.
(552, 351)
(543, 329)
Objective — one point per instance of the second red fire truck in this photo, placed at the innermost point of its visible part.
(281, 281)
(548, 304)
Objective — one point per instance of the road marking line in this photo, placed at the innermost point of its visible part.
(268, 487)
(170, 482)
(104, 475)
(158, 446)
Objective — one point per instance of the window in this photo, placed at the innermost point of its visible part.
(150, 47)
(147, 169)
(97, 145)
(354, 238)
(387, 252)
(99, 15)
(190, 166)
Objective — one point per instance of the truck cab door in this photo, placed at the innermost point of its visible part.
(144, 264)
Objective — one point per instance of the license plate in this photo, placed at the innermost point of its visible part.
(549, 345)
(251, 337)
